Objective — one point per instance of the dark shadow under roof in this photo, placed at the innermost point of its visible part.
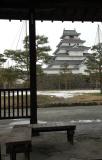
(64, 10)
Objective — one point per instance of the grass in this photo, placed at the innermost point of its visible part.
(46, 101)
(53, 101)
(85, 99)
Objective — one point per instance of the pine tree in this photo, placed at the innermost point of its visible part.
(94, 64)
(21, 58)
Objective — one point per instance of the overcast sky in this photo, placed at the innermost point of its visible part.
(54, 31)
(12, 33)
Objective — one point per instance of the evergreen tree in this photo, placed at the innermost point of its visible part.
(42, 49)
(2, 59)
(94, 63)
(65, 75)
(21, 58)
(8, 77)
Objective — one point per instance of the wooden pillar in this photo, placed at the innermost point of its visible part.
(33, 87)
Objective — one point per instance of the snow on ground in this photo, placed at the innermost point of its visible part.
(25, 121)
(20, 122)
(66, 94)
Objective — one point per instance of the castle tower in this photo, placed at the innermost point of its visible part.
(70, 52)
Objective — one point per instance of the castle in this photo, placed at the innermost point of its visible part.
(70, 53)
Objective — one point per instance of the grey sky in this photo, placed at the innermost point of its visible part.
(12, 33)
(54, 31)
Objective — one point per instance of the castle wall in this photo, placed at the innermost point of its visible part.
(75, 53)
(61, 51)
(70, 58)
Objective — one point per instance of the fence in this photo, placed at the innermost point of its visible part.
(14, 103)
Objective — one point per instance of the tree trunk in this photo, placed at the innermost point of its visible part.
(100, 78)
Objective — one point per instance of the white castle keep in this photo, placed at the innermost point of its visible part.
(70, 52)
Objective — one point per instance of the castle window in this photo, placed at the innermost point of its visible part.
(67, 52)
(71, 36)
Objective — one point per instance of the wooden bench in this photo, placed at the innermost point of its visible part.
(48, 127)
(19, 141)
(3, 138)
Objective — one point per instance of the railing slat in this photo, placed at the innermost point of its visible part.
(17, 103)
(14, 103)
(26, 104)
(4, 104)
(22, 101)
(0, 105)
(8, 103)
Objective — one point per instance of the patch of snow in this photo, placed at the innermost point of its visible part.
(19, 121)
(66, 94)
(42, 122)
(86, 121)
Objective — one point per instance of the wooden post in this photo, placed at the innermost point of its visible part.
(33, 88)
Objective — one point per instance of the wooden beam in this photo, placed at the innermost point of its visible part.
(33, 87)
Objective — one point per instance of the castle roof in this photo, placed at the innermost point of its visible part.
(71, 40)
(66, 62)
(72, 48)
(75, 48)
(69, 33)
(66, 55)
(57, 69)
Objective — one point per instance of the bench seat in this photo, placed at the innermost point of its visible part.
(19, 141)
(57, 126)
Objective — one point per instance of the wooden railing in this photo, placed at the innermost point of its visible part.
(14, 103)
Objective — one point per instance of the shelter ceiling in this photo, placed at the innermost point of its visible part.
(64, 10)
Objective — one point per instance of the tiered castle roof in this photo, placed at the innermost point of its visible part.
(69, 33)
(70, 51)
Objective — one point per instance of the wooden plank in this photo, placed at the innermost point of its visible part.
(19, 141)
(4, 104)
(19, 134)
(33, 82)
(13, 103)
(26, 104)
(3, 138)
(0, 104)
(53, 126)
(49, 127)
(22, 105)
(17, 103)
(8, 103)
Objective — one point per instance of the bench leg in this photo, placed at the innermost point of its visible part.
(13, 156)
(70, 136)
(35, 133)
(27, 155)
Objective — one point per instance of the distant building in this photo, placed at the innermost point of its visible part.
(70, 52)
